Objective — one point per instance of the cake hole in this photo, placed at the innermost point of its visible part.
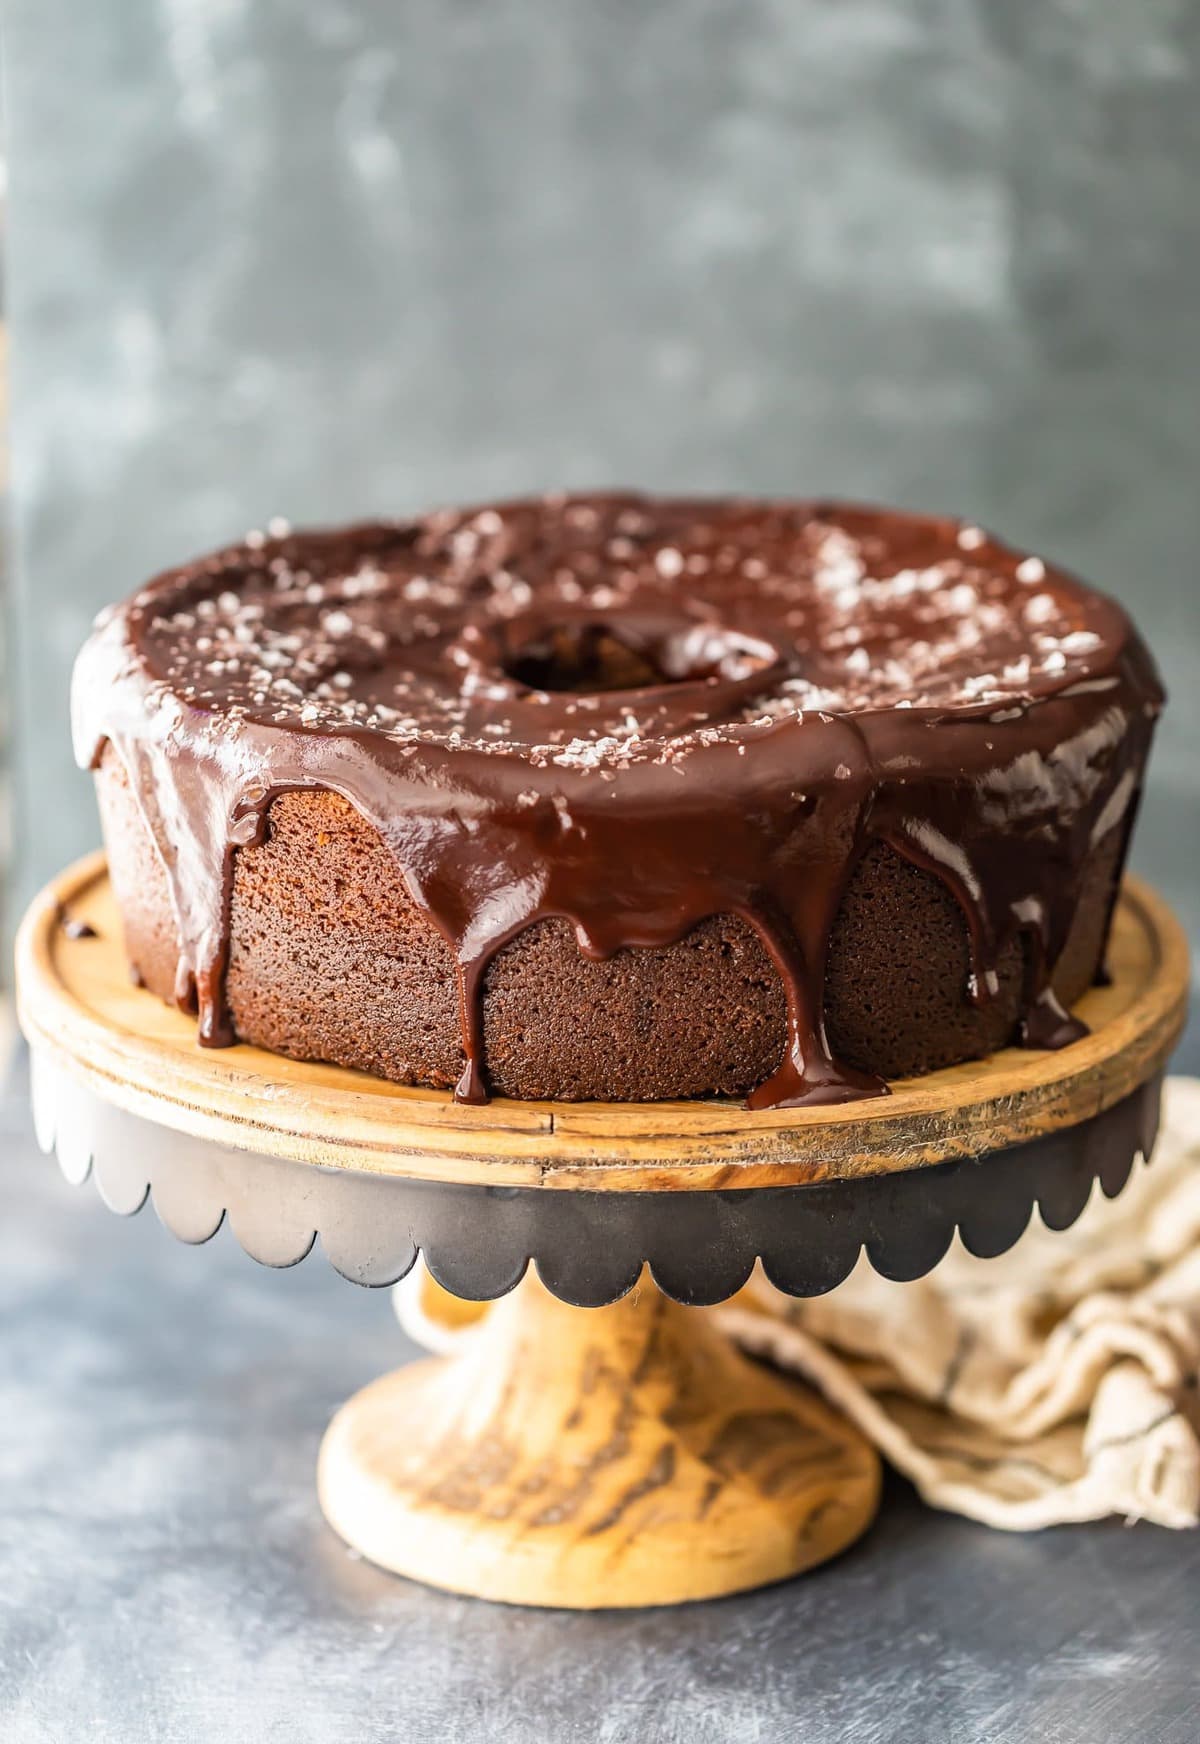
(585, 659)
(590, 656)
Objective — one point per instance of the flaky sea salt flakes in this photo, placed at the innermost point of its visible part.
(962, 598)
(279, 527)
(1041, 609)
(464, 543)
(838, 560)
(864, 636)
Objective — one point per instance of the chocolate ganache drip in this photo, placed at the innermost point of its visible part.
(634, 714)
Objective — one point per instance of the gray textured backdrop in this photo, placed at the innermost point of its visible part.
(327, 256)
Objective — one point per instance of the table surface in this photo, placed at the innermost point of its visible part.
(167, 1576)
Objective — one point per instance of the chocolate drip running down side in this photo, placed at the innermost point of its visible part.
(635, 714)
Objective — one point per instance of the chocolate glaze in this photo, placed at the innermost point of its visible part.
(636, 713)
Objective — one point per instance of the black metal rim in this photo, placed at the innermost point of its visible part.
(589, 1247)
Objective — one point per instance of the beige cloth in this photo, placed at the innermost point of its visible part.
(1056, 1383)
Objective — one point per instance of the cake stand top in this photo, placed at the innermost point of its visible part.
(78, 1008)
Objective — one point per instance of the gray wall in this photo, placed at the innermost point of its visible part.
(328, 256)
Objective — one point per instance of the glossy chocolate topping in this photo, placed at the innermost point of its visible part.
(635, 713)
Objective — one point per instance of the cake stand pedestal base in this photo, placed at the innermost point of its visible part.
(619, 1456)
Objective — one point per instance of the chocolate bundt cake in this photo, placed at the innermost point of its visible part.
(617, 797)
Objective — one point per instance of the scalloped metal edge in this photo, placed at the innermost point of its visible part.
(589, 1247)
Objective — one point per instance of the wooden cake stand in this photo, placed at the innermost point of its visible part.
(628, 1455)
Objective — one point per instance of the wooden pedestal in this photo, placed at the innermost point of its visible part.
(616, 1456)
